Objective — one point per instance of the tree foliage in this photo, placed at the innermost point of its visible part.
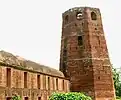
(117, 81)
(69, 96)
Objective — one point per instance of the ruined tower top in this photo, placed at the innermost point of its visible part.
(80, 13)
(81, 16)
(79, 9)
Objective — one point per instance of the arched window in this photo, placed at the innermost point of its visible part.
(93, 16)
(79, 15)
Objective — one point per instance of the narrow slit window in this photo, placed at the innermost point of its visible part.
(63, 85)
(38, 81)
(98, 38)
(64, 52)
(8, 98)
(25, 79)
(8, 77)
(56, 84)
(26, 98)
(39, 98)
(48, 83)
(80, 41)
(98, 77)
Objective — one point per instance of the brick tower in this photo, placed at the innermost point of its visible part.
(84, 56)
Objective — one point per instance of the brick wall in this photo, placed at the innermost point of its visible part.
(47, 87)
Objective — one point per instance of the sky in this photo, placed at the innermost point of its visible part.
(32, 28)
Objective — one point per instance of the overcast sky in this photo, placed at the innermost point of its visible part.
(32, 28)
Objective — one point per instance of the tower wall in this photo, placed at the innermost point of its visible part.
(84, 55)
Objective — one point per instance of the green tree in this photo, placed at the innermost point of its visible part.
(117, 81)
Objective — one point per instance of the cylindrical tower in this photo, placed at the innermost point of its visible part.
(84, 56)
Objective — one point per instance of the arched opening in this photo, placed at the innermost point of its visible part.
(79, 15)
(93, 16)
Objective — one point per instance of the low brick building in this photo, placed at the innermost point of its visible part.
(28, 79)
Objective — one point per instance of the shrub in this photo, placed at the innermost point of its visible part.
(118, 98)
(16, 97)
(69, 96)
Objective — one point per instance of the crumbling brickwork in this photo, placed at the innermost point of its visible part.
(84, 56)
(16, 85)
(30, 84)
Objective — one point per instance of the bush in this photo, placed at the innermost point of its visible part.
(69, 96)
(118, 98)
(16, 97)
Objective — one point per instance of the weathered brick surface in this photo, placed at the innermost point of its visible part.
(32, 91)
(51, 83)
(87, 65)
(41, 82)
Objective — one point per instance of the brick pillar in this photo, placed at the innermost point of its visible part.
(41, 81)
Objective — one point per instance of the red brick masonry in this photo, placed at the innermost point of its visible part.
(84, 56)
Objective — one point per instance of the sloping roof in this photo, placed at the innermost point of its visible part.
(10, 59)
